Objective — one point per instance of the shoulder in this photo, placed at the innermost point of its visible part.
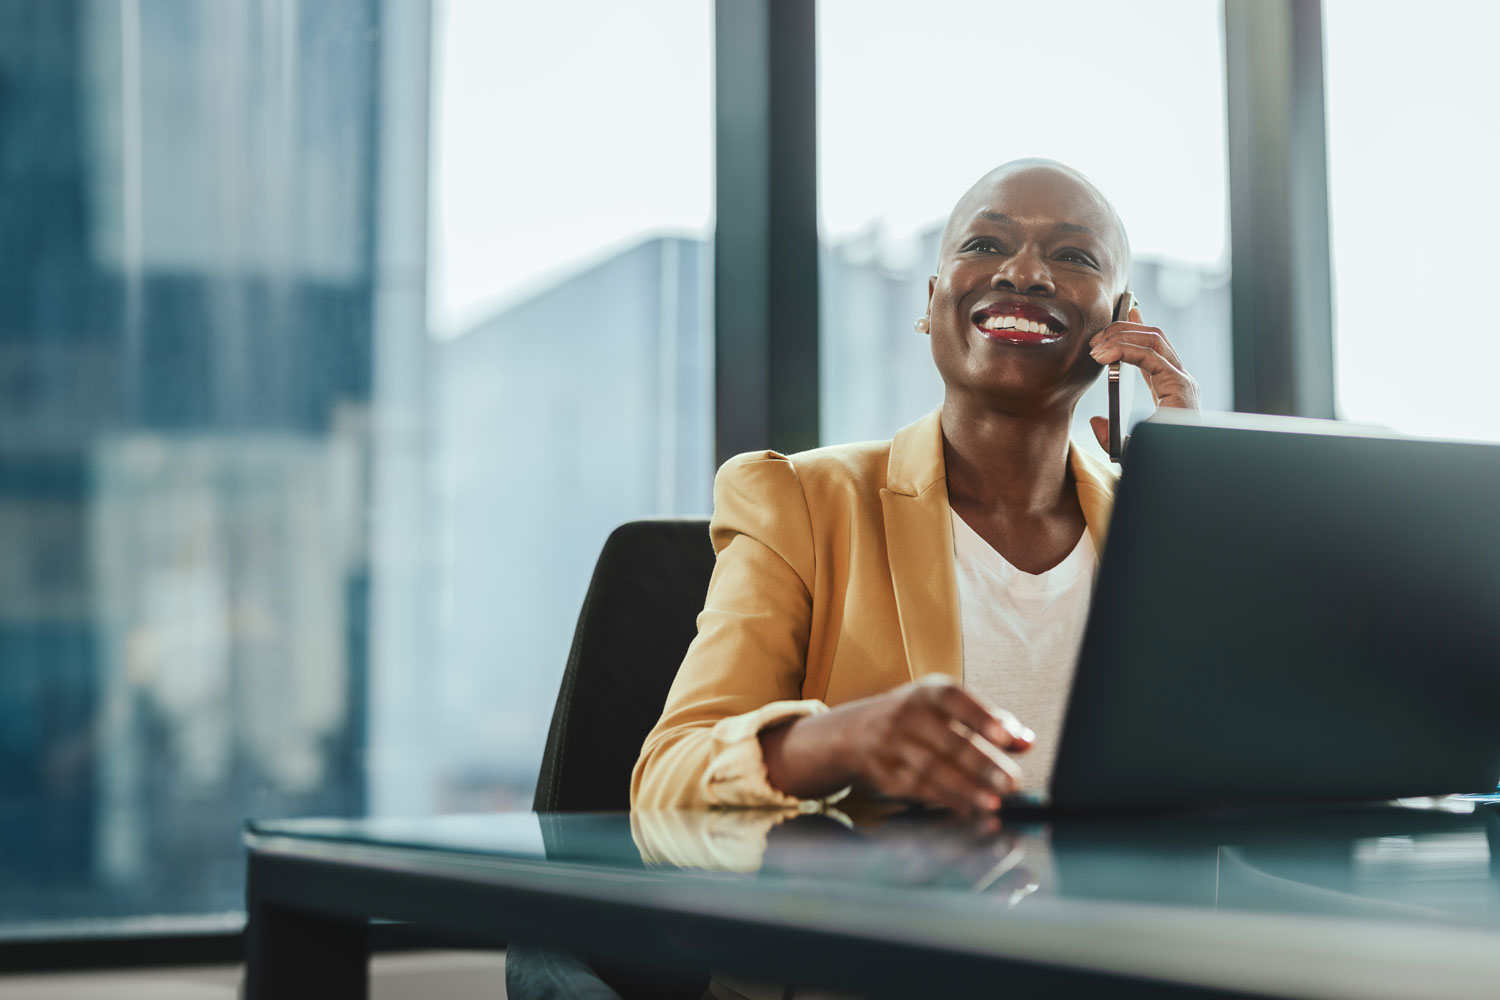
(796, 498)
(860, 466)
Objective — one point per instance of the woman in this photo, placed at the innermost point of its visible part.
(903, 616)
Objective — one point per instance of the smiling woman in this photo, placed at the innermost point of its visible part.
(901, 617)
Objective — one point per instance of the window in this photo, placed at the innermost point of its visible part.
(572, 305)
(190, 333)
(1413, 207)
(312, 417)
(917, 104)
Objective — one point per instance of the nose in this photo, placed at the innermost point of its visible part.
(1026, 272)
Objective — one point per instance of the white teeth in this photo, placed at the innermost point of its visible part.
(1016, 323)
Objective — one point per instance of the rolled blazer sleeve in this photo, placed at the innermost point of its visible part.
(745, 669)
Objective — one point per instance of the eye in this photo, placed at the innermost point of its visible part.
(987, 244)
(1075, 256)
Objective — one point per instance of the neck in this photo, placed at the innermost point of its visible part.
(1010, 462)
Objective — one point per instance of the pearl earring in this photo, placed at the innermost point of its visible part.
(922, 324)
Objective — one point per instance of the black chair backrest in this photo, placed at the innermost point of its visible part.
(638, 618)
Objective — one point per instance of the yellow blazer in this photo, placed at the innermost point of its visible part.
(834, 580)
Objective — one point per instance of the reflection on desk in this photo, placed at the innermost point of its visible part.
(1383, 861)
(1378, 861)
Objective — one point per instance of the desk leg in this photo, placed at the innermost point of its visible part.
(295, 955)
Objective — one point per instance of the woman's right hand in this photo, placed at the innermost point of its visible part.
(930, 741)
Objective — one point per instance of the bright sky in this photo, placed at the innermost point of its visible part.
(1412, 149)
(561, 133)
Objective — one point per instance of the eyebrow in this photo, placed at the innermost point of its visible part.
(1073, 227)
(1067, 227)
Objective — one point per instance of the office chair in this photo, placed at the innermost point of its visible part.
(638, 617)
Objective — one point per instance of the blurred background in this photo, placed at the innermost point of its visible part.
(336, 335)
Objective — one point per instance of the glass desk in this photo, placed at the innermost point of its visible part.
(1378, 901)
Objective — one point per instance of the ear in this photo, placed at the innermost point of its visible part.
(931, 284)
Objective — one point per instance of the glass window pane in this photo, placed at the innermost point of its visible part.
(192, 319)
(917, 102)
(572, 302)
(334, 338)
(1412, 145)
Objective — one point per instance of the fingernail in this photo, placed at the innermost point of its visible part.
(1026, 734)
(988, 802)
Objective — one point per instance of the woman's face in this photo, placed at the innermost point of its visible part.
(1031, 264)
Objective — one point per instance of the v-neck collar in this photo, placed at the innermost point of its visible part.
(970, 544)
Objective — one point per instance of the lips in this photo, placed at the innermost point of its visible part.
(1019, 322)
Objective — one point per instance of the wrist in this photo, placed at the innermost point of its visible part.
(839, 735)
(772, 740)
(808, 757)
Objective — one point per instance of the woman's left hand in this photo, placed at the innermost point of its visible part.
(1146, 347)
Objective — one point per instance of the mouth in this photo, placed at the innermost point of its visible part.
(1019, 323)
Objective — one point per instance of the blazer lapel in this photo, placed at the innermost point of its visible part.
(919, 544)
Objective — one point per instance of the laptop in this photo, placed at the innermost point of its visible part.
(1288, 611)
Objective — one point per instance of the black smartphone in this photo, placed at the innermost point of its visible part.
(1116, 425)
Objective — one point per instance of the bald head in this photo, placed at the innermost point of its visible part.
(1040, 185)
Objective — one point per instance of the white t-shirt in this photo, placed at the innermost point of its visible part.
(1021, 633)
